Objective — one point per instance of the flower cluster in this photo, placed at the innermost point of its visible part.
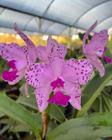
(55, 79)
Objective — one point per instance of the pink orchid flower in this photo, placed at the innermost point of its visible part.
(18, 58)
(95, 48)
(59, 80)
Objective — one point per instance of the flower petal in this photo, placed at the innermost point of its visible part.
(12, 76)
(42, 53)
(56, 49)
(32, 50)
(57, 83)
(97, 64)
(23, 36)
(57, 66)
(53, 49)
(77, 71)
(51, 44)
(20, 75)
(84, 71)
(59, 99)
(107, 59)
(42, 96)
(68, 72)
(87, 34)
(11, 51)
(9, 75)
(11, 64)
(39, 75)
(73, 90)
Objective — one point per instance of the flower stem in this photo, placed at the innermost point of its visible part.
(26, 90)
(44, 124)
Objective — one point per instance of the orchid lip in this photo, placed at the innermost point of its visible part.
(11, 64)
(60, 99)
(107, 59)
(57, 83)
(10, 75)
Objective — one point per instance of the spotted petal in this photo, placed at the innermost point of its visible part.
(42, 96)
(84, 71)
(53, 49)
(77, 71)
(42, 53)
(31, 49)
(51, 44)
(23, 36)
(39, 75)
(56, 49)
(73, 90)
(11, 52)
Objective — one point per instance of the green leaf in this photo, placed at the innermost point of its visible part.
(20, 128)
(28, 101)
(18, 113)
(93, 90)
(57, 113)
(92, 127)
(109, 83)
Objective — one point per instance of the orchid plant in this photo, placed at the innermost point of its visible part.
(56, 80)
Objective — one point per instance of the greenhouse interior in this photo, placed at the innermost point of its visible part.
(56, 70)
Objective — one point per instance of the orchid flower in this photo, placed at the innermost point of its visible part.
(18, 58)
(95, 48)
(59, 80)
